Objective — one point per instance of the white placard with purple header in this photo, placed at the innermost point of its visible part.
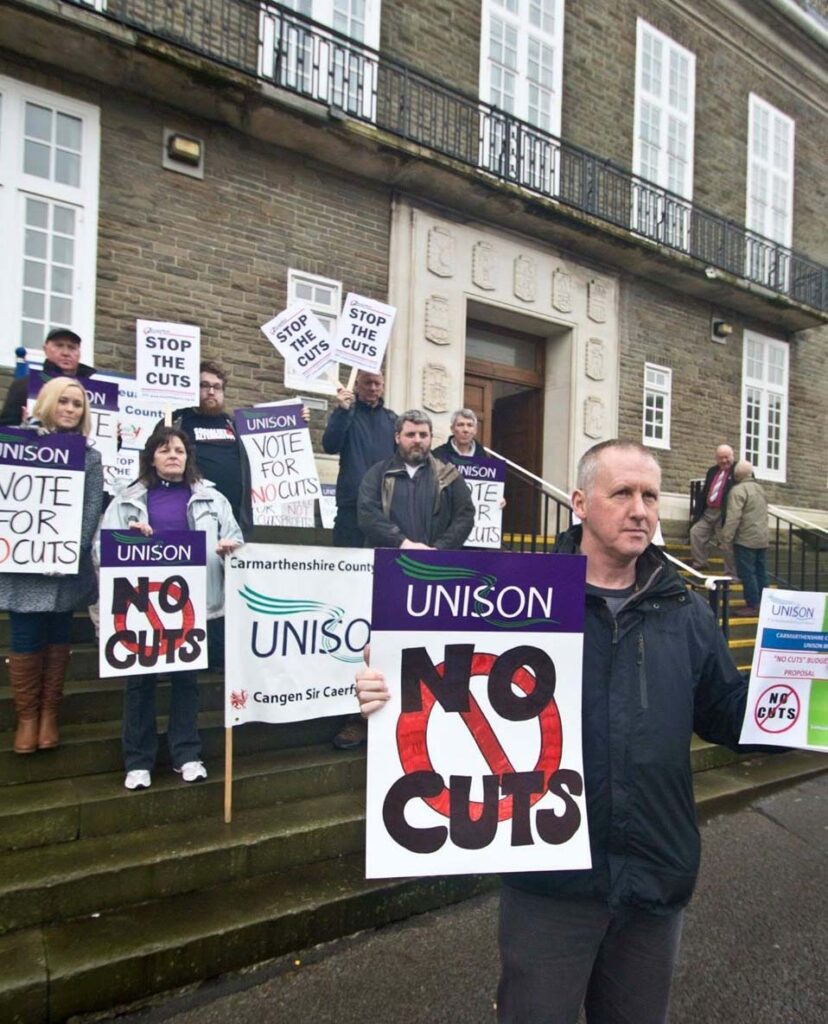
(486, 479)
(41, 501)
(282, 467)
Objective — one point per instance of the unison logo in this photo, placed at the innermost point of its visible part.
(782, 609)
(308, 627)
(468, 593)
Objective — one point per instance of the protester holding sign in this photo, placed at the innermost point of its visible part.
(40, 605)
(171, 495)
(656, 669)
(62, 351)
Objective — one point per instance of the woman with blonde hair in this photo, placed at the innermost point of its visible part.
(41, 605)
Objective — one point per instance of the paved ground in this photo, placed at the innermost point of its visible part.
(753, 952)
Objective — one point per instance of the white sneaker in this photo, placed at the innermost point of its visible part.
(138, 779)
(192, 771)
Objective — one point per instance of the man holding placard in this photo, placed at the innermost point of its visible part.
(656, 669)
(62, 351)
(361, 431)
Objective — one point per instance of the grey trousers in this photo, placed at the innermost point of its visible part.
(559, 955)
(706, 532)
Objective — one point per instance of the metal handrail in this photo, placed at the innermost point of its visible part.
(282, 47)
(717, 587)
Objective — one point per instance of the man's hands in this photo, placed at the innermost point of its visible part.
(344, 397)
(224, 547)
(372, 692)
(143, 528)
(418, 545)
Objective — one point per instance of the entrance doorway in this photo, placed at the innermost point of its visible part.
(504, 386)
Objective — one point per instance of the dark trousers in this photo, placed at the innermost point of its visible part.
(346, 532)
(215, 644)
(32, 631)
(753, 572)
(558, 955)
(139, 735)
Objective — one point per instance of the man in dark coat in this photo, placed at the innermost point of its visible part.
(62, 351)
(413, 500)
(710, 510)
(656, 669)
(361, 431)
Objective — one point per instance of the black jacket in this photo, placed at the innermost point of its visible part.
(18, 393)
(701, 497)
(361, 436)
(657, 673)
(392, 506)
(181, 421)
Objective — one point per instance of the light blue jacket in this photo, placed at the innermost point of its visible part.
(207, 510)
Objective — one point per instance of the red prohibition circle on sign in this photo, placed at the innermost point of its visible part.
(412, 747)
(187, 622)
(6, 550)
(763, 722)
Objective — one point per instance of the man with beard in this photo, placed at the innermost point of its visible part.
(413, 500)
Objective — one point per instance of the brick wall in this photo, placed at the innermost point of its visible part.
(661, 326)
(441, 38)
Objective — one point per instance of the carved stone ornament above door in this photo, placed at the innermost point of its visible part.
(594, 417)
(595, 359)
(483, 266)
(440, 258)
(436, 382)
(438, 320)
(562, 291)
(597, 302)
(526, 278)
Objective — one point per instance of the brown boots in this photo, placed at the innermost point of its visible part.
(25, 671)
(55, 660)
(37, 687)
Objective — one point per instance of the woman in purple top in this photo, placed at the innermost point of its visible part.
(170, 494)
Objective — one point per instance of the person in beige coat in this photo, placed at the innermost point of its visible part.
(746, 528)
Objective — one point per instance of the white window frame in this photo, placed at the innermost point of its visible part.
(328, 314)
(538, 158)
(15, 186)
(649, 209)
(766, 390)
(759, 258)
(652, 387)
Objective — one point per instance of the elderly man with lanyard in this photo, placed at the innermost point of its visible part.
(710, 510)
(656, 669)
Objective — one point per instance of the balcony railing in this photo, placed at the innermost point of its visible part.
(296, 54)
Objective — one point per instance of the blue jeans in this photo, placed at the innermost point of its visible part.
(753, 572)
(139, 735)
(558, 955)
(32, 631)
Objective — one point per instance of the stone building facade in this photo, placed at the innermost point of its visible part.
(551, 281)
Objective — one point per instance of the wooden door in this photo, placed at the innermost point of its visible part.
(516, 434)
(477, 396)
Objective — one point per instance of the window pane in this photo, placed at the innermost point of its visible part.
(37, 214)
(324, 296)
(64, 220)
(36, 159)
(60, 310)
(68, 134)
(303, 291)
(62, 280)
(63, 250)
(35, 244)
(33, 304)
(31, 335)
(38, 122)
(67, 168)
(34, 274)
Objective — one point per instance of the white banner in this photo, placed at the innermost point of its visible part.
(787, 702)
(297, 619)
(167, 358)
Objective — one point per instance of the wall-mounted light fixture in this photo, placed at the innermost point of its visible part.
(720, 330)
(183, 153)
